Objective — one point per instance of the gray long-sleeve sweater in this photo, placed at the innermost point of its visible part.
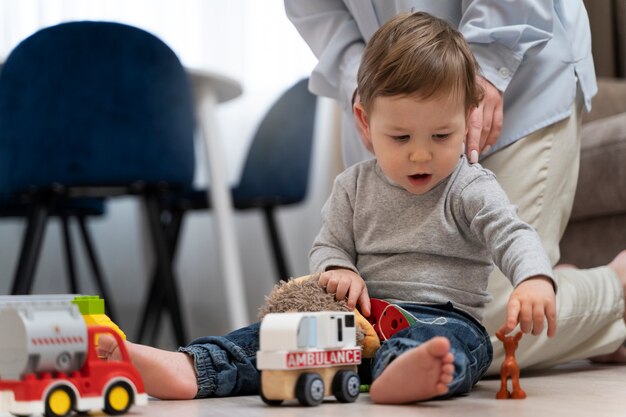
(430, 248)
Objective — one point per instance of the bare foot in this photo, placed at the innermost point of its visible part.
(166, 375)
(619, 356)
(418, 374)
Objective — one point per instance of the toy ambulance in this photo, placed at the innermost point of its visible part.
(49, 364)
(307, 356)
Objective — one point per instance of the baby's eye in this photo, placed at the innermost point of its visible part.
(441, 136)
(401, 138)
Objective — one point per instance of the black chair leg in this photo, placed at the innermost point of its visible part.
(31, 247)
(69, 255)
(95, 268)
(151, 316)
(151, 310)
(153, 307)
(171, 228)
(165, 267)
(277, 247)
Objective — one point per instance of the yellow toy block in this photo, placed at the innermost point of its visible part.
(92, 309)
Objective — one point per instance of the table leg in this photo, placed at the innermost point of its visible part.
(220, 199)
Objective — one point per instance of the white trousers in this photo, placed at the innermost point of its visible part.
(539, 174)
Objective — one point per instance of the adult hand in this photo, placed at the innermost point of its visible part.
(347, 284)
(485, 121)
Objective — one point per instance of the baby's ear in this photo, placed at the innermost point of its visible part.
(362, 120)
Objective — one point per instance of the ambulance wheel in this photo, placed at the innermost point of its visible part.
(265, 400)
(346, 386)
(118, 399)
(59, 402)
(310, 389)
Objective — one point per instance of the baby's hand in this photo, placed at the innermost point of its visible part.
(347, 284)
(529, 303)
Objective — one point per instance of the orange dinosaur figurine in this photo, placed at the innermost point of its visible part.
(510, 369)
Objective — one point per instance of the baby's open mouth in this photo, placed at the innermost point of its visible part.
(420, 179)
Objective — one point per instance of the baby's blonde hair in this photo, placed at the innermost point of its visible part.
(416, 54)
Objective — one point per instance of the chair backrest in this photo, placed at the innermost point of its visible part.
(94, 104)
(276, 171)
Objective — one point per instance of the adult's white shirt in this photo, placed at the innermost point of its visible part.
(534, 51)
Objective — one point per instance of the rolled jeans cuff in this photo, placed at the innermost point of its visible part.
(206, 376)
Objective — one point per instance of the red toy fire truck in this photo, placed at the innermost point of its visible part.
(49, 364)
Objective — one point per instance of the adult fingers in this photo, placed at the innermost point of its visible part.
(473, 133)
(493, 116)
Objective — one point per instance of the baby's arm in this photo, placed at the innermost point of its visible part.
(166, 375)
(347, 284)
(532, 301)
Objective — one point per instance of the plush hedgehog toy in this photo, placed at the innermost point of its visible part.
(306, 294)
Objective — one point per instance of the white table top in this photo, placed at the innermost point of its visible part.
(225, 87)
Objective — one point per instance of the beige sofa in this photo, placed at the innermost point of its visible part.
(597, 228)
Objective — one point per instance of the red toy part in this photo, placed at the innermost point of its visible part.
(110, 385)
(388, 319)
(392, 321)
(377, 308)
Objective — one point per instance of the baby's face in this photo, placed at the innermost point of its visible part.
(417, 142)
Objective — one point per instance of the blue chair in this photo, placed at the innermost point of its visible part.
(79, 209)
(276, 173)
(94, 110)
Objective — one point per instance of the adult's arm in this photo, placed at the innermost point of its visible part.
(500, 34)
(331, 32)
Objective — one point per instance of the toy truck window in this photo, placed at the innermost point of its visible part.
(307, 332)
(349, 321)
(339, 330)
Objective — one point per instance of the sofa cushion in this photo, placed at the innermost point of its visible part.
(602, 181)
(610, 100)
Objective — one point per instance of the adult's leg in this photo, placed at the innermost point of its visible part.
(539, 174)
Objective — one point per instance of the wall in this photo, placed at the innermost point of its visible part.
(249, 40)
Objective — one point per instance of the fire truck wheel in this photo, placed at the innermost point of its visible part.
(310, 389)
(118, 399)
(59, 402)
(346, 386)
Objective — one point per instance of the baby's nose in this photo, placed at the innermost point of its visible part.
(420, 155)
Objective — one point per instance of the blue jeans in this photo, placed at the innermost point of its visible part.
(226, 365)
(469, 342)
